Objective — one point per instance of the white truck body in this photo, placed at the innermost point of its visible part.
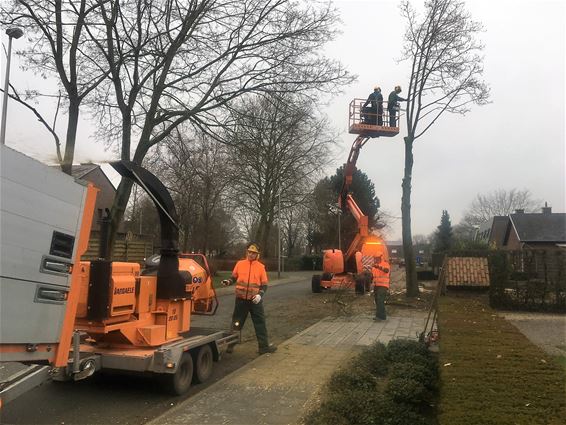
(40, 219)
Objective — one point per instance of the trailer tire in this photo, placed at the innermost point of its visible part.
(179, 382)
(203, 361)
(315, 283)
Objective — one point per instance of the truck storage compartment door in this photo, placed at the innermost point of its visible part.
(41, 215)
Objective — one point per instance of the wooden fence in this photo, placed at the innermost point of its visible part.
(124, 250)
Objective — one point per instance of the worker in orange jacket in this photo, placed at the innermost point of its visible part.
(380, 272)
(251, 283)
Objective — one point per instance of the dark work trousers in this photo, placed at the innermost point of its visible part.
(241, 310)
(380, 292)
(392, 120)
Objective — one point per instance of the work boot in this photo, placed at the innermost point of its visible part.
(268, 349)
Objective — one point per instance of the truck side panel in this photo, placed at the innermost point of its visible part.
(41, 215)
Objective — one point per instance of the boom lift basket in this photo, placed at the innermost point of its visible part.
(365, 121)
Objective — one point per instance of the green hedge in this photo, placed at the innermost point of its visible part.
(393, 385)
(533, 280)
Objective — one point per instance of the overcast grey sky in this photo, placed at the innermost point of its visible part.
(515, 142)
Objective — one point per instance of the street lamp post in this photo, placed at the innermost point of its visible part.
(339, 236)
(12, 32)
(279, 236)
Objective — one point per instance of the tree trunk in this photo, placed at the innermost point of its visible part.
(410, 266)
(206, 227)
(118, 210)
(71, 138)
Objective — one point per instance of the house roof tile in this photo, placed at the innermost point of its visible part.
(466, 271)
(540, 227)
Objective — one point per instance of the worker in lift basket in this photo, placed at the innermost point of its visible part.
(380, 272)
(393, 105)
(376, 110)
(251, 283)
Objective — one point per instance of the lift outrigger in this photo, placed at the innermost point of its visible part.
(350, 269)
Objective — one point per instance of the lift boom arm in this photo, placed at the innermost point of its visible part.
(347, 202)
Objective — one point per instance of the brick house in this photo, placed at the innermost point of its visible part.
(544, 230)
(521, 230)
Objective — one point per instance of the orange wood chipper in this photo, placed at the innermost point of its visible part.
(69, 318)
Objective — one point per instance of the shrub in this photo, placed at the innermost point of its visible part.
(356, 406)
(382, 386)
(374, 359)
(400, 414)
(311, 262)
(420, 372)
(352, 378)
(406, 351)
(406, 390)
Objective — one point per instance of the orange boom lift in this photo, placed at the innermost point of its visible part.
(350, 269)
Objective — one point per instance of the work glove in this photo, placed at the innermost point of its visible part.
(226, 282)
(256, 299)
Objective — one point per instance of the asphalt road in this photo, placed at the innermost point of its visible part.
(120, 399)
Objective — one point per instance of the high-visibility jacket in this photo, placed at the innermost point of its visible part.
(381, 277)
(250, 277)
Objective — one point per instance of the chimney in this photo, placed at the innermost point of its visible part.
(519, 211)
(546, 209)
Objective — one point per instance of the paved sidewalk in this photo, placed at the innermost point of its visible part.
(548, 331)
(275, 389)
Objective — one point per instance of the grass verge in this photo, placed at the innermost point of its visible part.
(490, 373)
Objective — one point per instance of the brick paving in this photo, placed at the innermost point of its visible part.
(275, 389)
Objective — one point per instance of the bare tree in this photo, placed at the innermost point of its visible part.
(294, 228)
(446, 69)
(24, 101)
(499, 202)
(57, 46)
(198, 171)
(167, 62)
(172, 62)
(279, 146)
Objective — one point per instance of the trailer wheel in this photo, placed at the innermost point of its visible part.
(316, 284)
(203, 364)
(180, 382)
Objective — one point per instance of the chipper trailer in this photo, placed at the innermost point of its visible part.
(69, 318)
(351, 269)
